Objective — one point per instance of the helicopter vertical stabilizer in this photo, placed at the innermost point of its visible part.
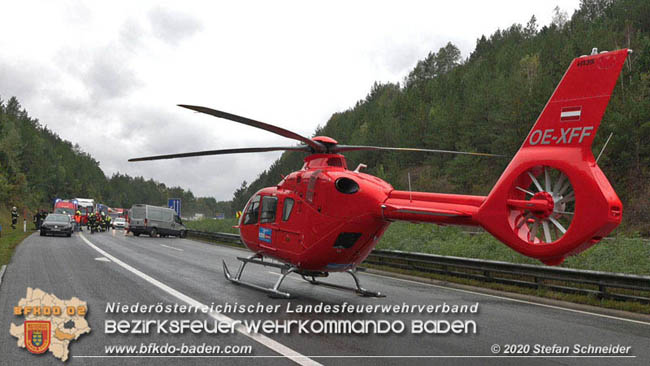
(553, 200)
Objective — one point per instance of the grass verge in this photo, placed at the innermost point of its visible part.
(619, 254)
(10, 238)
(213, 225)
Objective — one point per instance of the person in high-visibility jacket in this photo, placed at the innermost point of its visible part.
(77, 219)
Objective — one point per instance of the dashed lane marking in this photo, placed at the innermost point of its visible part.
(167, 246)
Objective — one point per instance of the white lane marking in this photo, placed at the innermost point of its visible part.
(167, 246)
(511, 299)
(102, 259)
(266, 341)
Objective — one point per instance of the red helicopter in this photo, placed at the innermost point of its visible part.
(551, 201)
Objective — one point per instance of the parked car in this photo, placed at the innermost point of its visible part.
(119, 223)
(57, 224)
(154, 221)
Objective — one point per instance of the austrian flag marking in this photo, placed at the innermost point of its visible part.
(570, 114)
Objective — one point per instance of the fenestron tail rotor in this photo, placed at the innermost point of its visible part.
(544, 205)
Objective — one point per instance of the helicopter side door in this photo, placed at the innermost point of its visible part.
(288, 236)
(267, 225)
(276, 232)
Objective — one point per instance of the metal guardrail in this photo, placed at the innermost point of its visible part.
(605, 285)
(226, 237)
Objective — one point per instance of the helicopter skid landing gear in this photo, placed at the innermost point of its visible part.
(258, 259)
(286, 270)
(359, 290)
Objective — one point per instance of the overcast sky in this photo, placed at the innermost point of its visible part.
(108, 74)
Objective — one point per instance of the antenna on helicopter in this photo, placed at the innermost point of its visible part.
(604, 146)
(410, 192)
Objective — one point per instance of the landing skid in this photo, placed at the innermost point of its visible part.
(358, 289)
(258, 259)
(285, 270)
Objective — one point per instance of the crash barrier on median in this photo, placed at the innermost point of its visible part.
(224, 237)
(604, 285)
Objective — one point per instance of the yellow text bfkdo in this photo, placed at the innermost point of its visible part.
(49, 310)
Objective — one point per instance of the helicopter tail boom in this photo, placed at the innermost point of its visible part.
(440, 208)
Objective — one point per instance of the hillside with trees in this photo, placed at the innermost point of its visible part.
(37, 166)
(488, 103)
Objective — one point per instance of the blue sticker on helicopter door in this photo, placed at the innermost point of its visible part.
(265, 234)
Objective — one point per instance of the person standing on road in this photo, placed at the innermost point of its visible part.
(77, 219)
(14, 217)
(38, 219)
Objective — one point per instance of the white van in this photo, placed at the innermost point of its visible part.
(154, 221)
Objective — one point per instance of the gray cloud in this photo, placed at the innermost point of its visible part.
(20, 79)
(131, 35)
(109, 75)
(172, 26)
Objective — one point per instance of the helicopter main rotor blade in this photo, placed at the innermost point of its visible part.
(342, 148)
(315, 145)
(223, 152)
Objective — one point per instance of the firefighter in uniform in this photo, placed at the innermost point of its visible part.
(91, 222)
(14, 217)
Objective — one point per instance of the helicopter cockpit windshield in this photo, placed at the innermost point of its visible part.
(252, 211)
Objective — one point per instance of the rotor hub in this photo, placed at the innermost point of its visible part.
(550, 205)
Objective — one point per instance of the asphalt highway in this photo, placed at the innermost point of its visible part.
(106, 268)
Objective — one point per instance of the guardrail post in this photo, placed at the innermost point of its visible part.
(487, 276)
(603, 290)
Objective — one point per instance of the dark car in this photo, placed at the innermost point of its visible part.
(57, 224)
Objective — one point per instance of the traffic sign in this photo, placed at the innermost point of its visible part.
(175, 204)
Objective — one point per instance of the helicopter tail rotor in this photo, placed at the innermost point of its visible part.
(553, 200)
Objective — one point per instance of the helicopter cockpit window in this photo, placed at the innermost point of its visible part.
(269, 205)
(252, 211)
(286, 210)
